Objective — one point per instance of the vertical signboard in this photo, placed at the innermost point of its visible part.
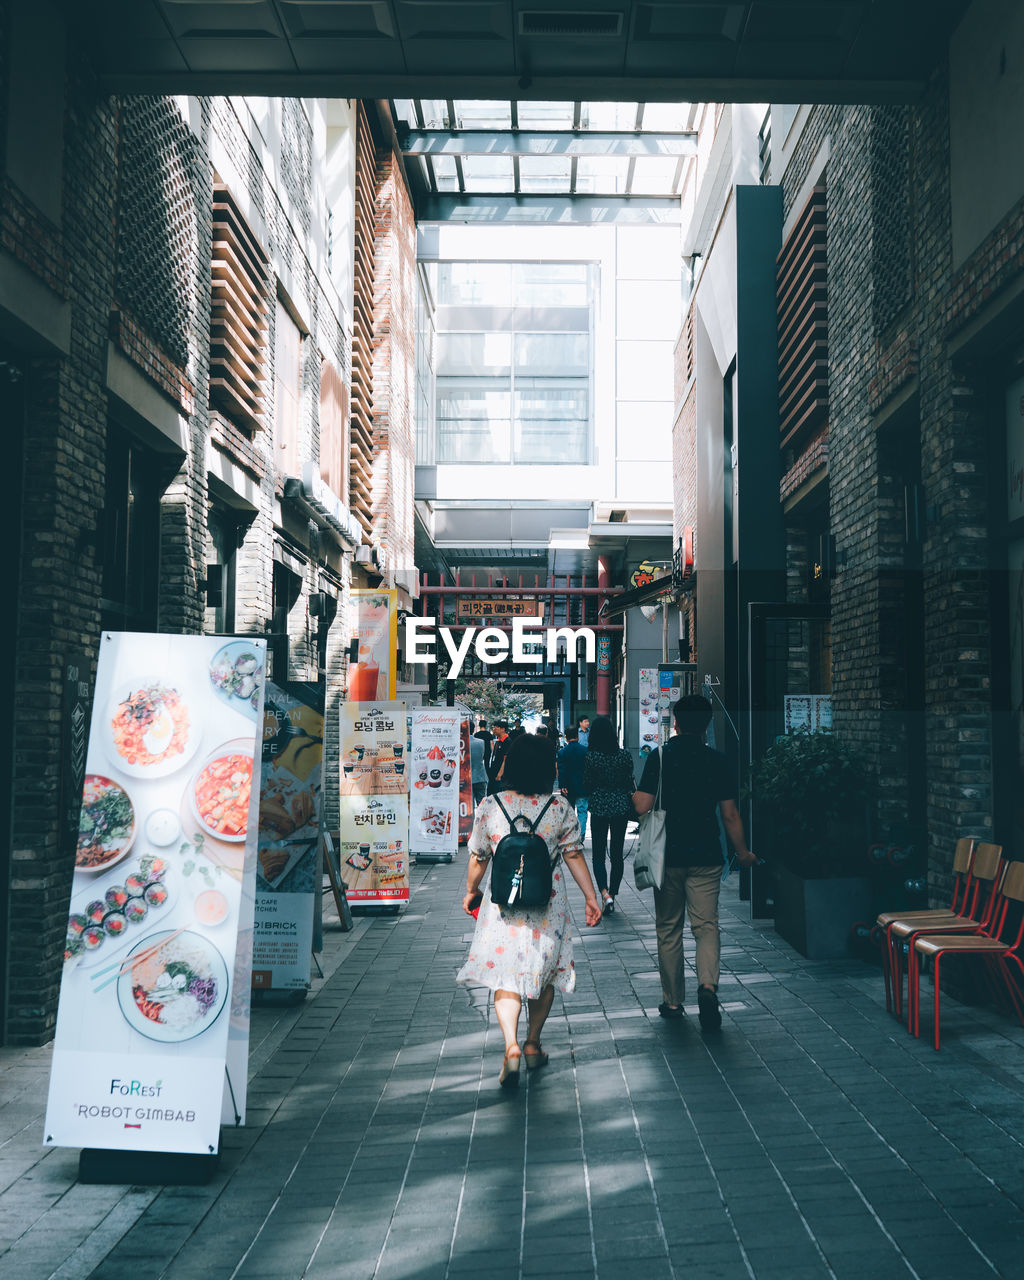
(287, 857)
(371, 675)
(434, 771)
(154, 999)
(465, 785)
(374, 767)
(648, 735)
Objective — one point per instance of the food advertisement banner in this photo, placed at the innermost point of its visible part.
(465, 785)
(648, 736)
(287, 853)
(374, 802)
(375, 848)
(153, 1020)
(375, 626)
(434, 767)
(373, 749)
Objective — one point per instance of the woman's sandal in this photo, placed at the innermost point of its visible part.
(538, 1058)
(509, 1078)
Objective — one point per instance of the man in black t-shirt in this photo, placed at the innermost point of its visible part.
(697, 781)
(484, 734)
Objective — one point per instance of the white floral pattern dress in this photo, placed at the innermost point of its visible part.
(523, 949)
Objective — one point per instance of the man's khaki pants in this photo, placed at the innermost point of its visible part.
(692, 889)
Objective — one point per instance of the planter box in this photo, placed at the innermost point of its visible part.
(815, 916)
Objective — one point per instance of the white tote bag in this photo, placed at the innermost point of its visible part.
(649, 859)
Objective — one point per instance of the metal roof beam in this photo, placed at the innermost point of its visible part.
(547, 142)
(548, 210)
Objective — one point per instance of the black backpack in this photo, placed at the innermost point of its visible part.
(521, 866)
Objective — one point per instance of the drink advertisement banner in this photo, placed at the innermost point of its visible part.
(375, 848)
(465, 785)
(373, 749)
(375, 626)
(434, 795)
(153, 1020)
(287, 854)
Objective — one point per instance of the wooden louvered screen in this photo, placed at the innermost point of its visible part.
(334, 431)
(803, 326)
(361, 475)
(238, 316)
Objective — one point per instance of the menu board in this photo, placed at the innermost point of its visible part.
(154, 998)
(373, 748)
(374, 766)
(434, 766)
(648, 734)
(287, 857)
(375, 849)
(375, 627)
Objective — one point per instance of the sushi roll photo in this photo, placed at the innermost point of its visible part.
(115, 924)
(135, 884)
(76, 925)
(93, 937)
(96, 911)
(135, 909)
(156, 894)
(116, 896)
(152, 868)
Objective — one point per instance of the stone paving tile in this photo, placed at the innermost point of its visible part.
(810, 1138)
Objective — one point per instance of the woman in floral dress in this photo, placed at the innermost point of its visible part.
(525, 952)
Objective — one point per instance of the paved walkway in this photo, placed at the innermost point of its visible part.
(810, 1138)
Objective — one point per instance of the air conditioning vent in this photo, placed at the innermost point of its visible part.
(569, 22)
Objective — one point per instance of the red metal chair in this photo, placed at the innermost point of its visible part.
(1000, 957)
(975, 866)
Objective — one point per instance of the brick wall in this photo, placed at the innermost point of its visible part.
(59, 606)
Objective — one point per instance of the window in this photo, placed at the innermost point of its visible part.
(131, 535)
(551, 420)
(222, 553)
(473, 419)
(517, 389)
(334, 434)
(287, 384)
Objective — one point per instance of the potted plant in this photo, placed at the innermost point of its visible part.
(810, 793)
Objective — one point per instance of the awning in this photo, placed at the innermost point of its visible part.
(616, 605)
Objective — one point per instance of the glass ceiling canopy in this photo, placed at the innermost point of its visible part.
(632, 151)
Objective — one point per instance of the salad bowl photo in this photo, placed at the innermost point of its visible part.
(106, 825)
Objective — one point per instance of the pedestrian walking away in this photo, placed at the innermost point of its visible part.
(696, 783)
(477, 768)
(523, 953)
(609, 784)
(570, 776)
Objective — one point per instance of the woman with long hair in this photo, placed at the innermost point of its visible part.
(523, 953)
(608, 782)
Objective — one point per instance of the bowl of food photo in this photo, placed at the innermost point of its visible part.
(236, 673)
(153, 729)
(173, 986)
(106, 824)
(220, 791)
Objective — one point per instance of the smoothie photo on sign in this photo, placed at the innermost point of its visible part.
(370, 674)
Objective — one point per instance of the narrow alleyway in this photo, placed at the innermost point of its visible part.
(810, 1138)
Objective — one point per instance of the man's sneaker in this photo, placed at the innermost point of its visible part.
(708, 1011)
(670, 1010)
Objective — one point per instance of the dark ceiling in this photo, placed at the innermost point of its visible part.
(643, 50)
